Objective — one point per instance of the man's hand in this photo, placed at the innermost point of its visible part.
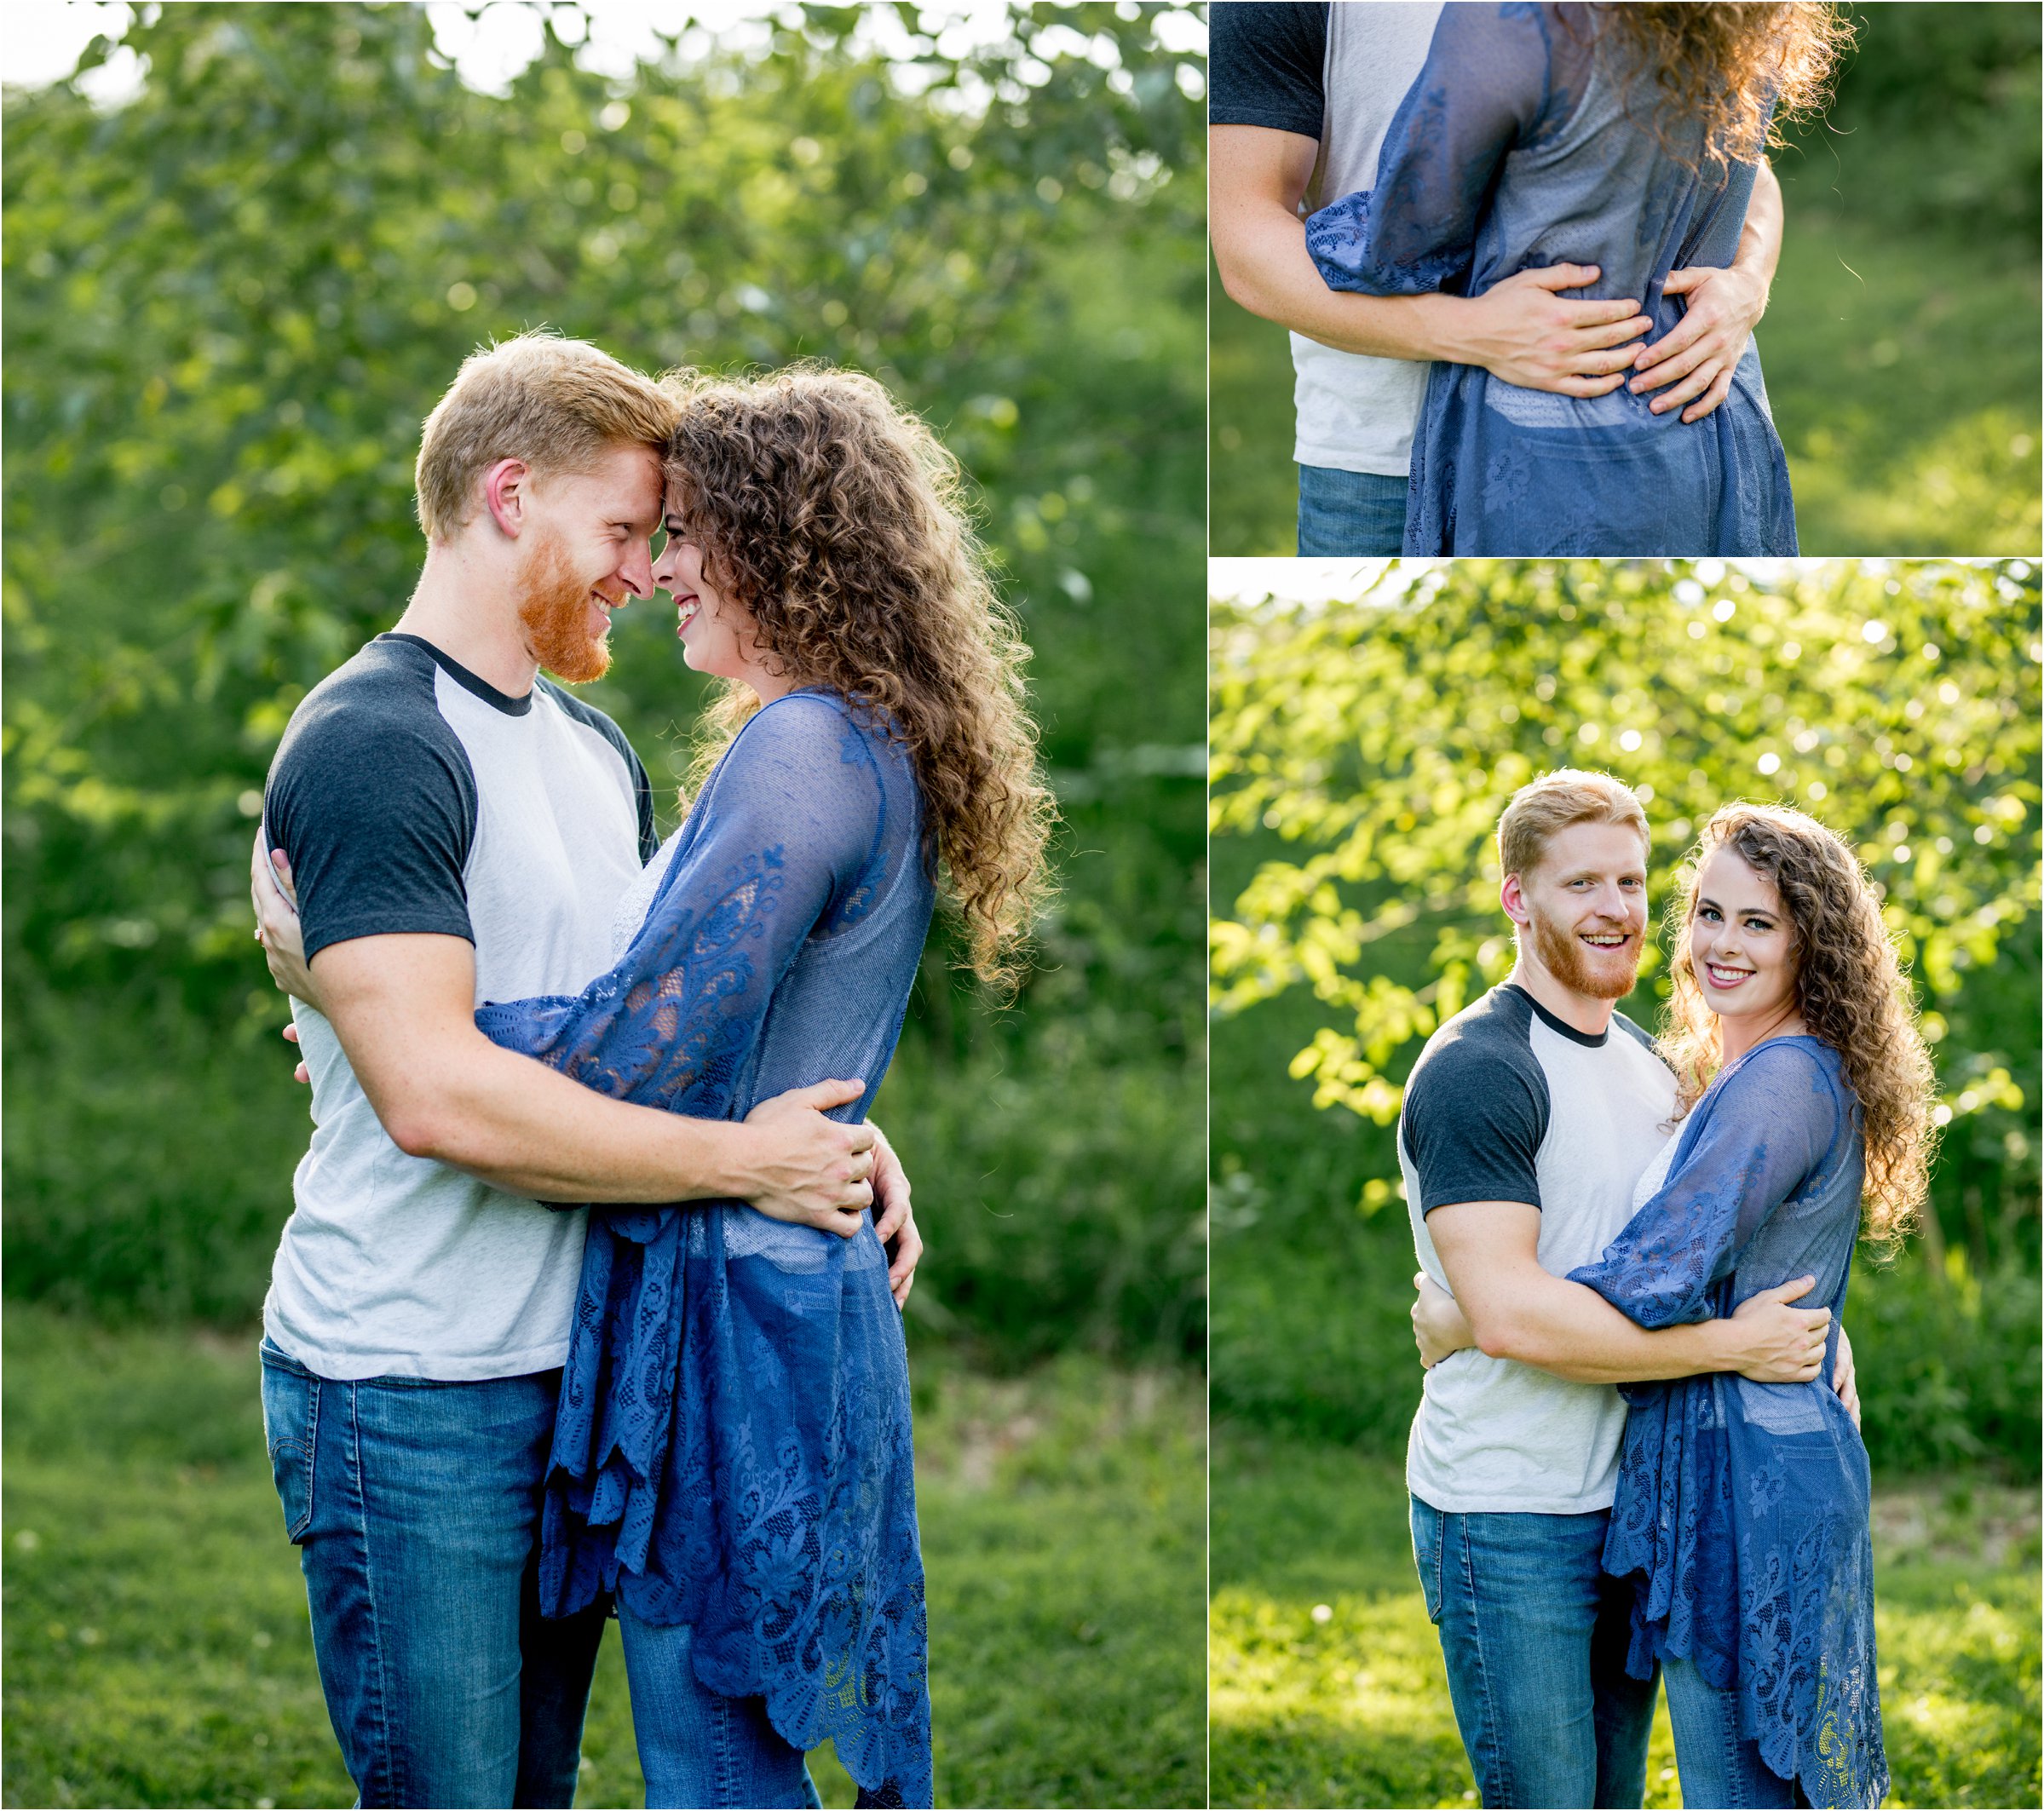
(1843, 1379)
(1523, 332)
(1774, 1343)
(1439, 1326)
(1698, 354)
(808, 1170)
(896, 1222)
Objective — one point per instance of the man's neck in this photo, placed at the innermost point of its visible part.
(465, 613)
(1585, 1012)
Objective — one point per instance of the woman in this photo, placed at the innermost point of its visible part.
(1741, 1514)
(733, 1456)
(1621, 136)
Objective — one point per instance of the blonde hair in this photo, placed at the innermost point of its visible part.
(1849, 991)
(1543, 807)
(558, 405)
(838, 521)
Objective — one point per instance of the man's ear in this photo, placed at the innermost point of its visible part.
(506, 491)
(1513, 900)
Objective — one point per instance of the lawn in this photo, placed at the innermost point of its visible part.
(1902, 375)
(158, 1650)
(1327, 1681)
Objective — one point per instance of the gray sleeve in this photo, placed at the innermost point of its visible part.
(1266, 62)
(375, 809)
(1474, 1119)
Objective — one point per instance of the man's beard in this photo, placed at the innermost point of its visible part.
(554, 607)
(1574, 966)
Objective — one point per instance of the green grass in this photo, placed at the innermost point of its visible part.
(158, 1649)
(1354, 1709)
(1903, 373)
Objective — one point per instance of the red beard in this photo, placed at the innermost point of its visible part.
(1576, 968)
(555, 610)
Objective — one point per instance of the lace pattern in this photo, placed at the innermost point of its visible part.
(1743, 1509)
(733, 1447)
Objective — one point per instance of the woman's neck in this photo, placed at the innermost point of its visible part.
(1736, 1037)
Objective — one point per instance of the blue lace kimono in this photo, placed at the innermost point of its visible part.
(1742, 1509)
(1524, 143)
(733, 1452)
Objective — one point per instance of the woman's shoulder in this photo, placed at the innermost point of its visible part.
(1798, 1077)
(809, 728)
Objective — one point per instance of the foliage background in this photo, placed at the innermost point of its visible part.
(229, 303)
(1363, 746)
(1902, 337)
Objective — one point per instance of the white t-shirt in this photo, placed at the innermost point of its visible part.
(411, 795)
(1508, 1103)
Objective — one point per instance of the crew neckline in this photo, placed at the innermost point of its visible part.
(1589, 1040)
(511, 707)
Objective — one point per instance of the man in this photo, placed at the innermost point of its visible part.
(1528, 1120)
(459, 830)
(1300, 98)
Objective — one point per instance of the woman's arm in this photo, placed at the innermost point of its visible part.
(785, 827)
(1756, 1138)
(1482, 90)
(1518, 1310)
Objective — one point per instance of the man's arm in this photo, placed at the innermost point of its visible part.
(403, 1007)
(1521, 330)
(1519, 1310)
(1699, 354)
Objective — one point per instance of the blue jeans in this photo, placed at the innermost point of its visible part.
(1534, 1636)
(696, 1746)
(415, 1506)
(1349, 514)
(1719, 1766)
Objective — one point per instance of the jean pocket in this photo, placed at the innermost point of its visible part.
(290, 1420)
(1429, 1532)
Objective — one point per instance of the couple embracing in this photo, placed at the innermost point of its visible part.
(492, 1421)
(1592, 1209)
(1521, 249)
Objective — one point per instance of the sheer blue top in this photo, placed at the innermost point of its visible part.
(1527, 141)
(1742, 1509)
(733, 1452)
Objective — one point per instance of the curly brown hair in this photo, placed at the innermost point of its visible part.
(837, 519)
(1849, 991)
(1741, 69)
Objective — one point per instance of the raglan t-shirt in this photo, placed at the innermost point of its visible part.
(411, 795)
(1508, 1103)
(1335, 74)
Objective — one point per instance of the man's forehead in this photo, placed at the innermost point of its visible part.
(1587, 847)
(625, 480)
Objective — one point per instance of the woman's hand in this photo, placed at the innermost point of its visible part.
(277, 928)
(1773, 1342)
(1700, 352)
(1439, 1327)
(1844, 1379)
(895, 1225)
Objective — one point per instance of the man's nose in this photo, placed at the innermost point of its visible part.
(637, 571)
